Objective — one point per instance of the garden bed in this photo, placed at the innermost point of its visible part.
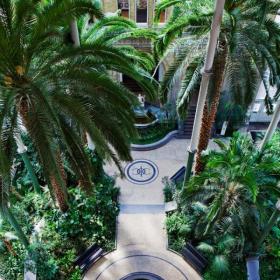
(91, 219)
(223, 245)
(154, 133)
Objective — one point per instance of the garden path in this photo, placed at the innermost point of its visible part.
(141, 236)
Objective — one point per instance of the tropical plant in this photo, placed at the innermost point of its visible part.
(58, 237)
(113, 32)
(246, 32)
(178, 226)
(5, 210)
(230, 112)
(220, 249)
(53, 90)
(247, 176)
(237, 182)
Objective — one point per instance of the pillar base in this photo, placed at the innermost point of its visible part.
(190, 160)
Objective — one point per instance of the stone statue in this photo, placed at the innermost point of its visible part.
(141, 99)
(117, 13)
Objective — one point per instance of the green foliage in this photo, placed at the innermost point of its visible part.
(59, 91)
(273, 146)
(11, 266)
(237, 272)
(231, 112)
(46, 265)
(219, 250)
(154, 133)
(111, 31)
(169, 189)
(89, 218)
(178, 226)
(246, 32)
(229, 204)
(61, 237)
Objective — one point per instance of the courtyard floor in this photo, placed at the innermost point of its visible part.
(141, 236)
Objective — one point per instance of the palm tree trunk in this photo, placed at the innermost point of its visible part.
(272, 127)
(205, 134)
(75, 33)
(57, 185)
(253, 268)
(271, 222)
(86, 185)
(211, 49)
(7, 214)
(210, 115)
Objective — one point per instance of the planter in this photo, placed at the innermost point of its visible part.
(155, 145)
(194, 258)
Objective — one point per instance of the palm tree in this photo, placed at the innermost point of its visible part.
(235, 183)
(276, 213)
(221, 250)
(112, 31)
(54, 89)
(5, 184)
(246, 32)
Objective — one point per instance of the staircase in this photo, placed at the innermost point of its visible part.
(185, 130)
(131, 85)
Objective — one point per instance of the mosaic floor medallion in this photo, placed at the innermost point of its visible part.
(141, 171)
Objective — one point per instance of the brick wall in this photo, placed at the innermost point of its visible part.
(109, 6)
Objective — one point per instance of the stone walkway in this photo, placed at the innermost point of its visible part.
(141, 236)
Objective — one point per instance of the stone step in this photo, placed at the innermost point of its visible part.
(142, 208)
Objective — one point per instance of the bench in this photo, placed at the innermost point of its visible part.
(178, 177)
(89, 257)
(194, 258)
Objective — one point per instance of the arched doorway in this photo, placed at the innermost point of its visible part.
(142, 276)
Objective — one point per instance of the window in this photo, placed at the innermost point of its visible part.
(123, 5)
(141, 11)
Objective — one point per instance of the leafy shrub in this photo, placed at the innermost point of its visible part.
(227, 206)
(169, 189)
(90, 219)
(46, 265)
(178, 226)
(154, 133)
(12, 263)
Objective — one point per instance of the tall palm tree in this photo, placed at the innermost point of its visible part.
(53, 89)
(112, 31)
(234, 185)
(246, 32)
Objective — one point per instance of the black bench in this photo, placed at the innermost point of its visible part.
(194, 258)
(89, 257)
(178, 177)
